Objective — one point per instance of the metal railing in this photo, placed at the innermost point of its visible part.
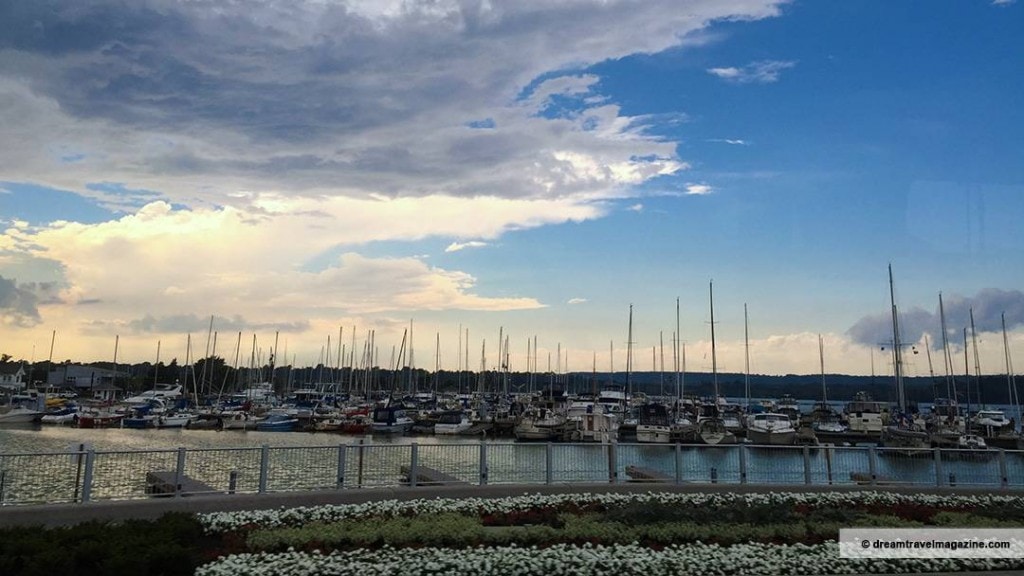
(86, 475)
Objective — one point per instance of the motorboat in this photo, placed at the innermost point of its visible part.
(771, 429)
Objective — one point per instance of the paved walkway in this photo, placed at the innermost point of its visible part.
(150, 508)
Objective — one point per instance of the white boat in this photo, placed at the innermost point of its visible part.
(994, 419)
(865, 415)
(538, 424)
(65, 415)
(18, 415)
(390, 420)
(452, 422)
(771, 429)
(165, 393)
(654, 426)
(175, 420)
(238, 420)
(712, 431)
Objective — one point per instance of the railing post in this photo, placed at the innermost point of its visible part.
(548, 458)
(359, 469)
(90, 461)
(828, 463)
(340, 483)
(414, 464)
(743, 464)
(483, 463)
(232, 481)
(938, 466)
(1004, 479)
(613, 462)
(873, 465)
(714, 475)
(807, 465)
(264, 467)
(179, 472)
(679, 463)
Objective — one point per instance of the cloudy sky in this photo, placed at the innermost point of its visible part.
(292, 168)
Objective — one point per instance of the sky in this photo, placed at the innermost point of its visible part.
(531, 171)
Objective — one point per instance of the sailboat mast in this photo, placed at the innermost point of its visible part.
(675, 353)
(947, 355)
(977, 361)
(821, 360)
(629, 354)
(746, 353)
(714, 360)
(897, 359)
(1011, 383)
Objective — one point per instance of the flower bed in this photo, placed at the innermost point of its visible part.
(619, 533)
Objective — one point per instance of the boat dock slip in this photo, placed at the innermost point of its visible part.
(429, 477)
(641, 474)
(164, 483)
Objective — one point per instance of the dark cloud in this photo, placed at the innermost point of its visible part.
(989, 306)
(18, 306)
(184, 323)
(310, 95)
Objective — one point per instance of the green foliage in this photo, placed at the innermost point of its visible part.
(955, 519)
(169, 546)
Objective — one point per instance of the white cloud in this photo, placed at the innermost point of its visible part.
(576, 300)
(762, 72)
(287, 136)
(456, 246)
(1003, 2)
(735, 142)
(636, 208)
(699, 189)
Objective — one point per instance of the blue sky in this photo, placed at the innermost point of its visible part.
(530, 169)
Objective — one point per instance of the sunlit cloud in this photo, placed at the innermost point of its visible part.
(576, 300)
(699, 189)
(762, 72)
(456, 246)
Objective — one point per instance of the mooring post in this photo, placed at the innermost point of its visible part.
(807, 465)
(1004, 479)
(613, 462)
(714, 475)
(872, 465)
(743, 464)
(548, 459)
(679, 463)
(232, 481)
(938, 466)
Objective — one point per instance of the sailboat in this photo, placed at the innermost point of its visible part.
(902, 433)
(824, 419)
(767, 428)
(711, 427)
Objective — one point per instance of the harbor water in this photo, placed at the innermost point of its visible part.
(65, 464)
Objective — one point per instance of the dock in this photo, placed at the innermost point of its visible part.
(429, 477)
(641, 474)
(162, 483)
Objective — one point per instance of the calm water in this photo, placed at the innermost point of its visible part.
(35, 465)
